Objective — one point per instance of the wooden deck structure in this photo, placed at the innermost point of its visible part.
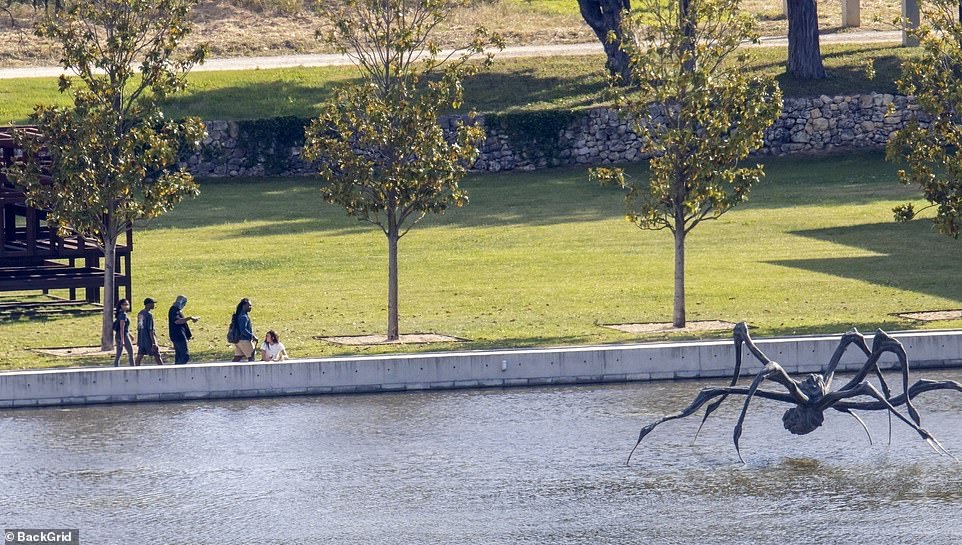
(34, 258)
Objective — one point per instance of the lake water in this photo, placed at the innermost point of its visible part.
(531, 465)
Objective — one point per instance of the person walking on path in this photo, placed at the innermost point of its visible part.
(147, 344)
(122, 335)
(244, 347)
(179, 330)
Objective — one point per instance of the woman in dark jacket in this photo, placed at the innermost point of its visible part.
(122, 336)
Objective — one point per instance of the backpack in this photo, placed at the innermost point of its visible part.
(116, 326)
(233, 335)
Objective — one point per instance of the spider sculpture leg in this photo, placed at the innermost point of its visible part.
(866, 389)
(741, 337)
(882, 343)
(865, 428)
(887, 392)
(774, 372)
(703, 397)
(925, 385)
(920, 387)
(850, 337)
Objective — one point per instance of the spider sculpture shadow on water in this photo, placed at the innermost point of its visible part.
(813, 395)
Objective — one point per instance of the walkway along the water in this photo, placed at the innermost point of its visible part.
(449, 370)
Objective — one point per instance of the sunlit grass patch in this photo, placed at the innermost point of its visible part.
(535, 259)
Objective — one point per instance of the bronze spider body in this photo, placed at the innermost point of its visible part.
(813, 395)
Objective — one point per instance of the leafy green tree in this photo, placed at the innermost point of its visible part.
(698, 112)
(931, 150)
(112, 155)
(382, 151)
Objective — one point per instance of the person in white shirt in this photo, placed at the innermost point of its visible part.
(272, 349)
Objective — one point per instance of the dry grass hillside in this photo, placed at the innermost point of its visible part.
(278, 27)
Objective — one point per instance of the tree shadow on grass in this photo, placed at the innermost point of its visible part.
(294, 95)
(275, 205)
(845, 80)
(771, 16)
(279, 206)
(842, 79)
(827, 180)
(43, 308)
(911, 257)
(48, 314)
(842, 51)
(852, 178)
(298, 227)
(490, 92)
(252, 100)
(294, 205)
(548, 197)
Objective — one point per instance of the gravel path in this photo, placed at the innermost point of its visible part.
(286, 61)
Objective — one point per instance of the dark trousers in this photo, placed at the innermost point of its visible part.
(181, 355)
(121, 344)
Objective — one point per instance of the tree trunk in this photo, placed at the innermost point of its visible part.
(678, 315)
(605, 18)
(110, 303)
(392, 296)
(687, 25)
(804, 54)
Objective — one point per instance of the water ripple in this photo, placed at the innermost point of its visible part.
(538, 465)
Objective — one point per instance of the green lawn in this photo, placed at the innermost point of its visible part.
(519, 84)
(535, 259)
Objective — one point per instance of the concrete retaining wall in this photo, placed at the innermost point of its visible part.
(503, 368)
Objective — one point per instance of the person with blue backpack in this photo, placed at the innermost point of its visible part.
(241, 331)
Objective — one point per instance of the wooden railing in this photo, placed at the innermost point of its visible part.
(34, 257)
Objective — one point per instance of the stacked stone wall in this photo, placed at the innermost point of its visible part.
(598, 136)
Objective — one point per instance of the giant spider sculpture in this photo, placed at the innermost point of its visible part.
(813, 395)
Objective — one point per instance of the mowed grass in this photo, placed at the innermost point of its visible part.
(535, 259)
(513, 85)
